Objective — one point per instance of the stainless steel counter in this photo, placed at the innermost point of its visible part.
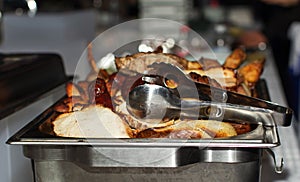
(289, 148)
(14, 165)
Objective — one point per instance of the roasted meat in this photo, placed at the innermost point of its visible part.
(139, 62)
(204, 79)
(97, 107)
(191, 129)
(235, 59)
(99, 94)
(251, 72)
(91, 122)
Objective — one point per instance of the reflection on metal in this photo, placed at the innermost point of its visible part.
(32, 7)
(278, 161)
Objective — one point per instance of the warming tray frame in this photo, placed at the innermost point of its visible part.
(246, 148)
(261, 137)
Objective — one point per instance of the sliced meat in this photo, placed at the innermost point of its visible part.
(204, 79)
(209, 63)
(192, 129)
(139, 62)
(95, 121)
(225, 77)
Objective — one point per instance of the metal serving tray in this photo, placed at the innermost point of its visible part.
(261, 137)
(264, 136)
(115, 152)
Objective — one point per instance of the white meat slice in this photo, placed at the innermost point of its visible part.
(92, 122)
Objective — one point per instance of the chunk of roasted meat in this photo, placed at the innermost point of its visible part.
(139, 62)
(251, 72)
(204, 79)
(106, 94)
(70, 104)
(84, 94)
(123, 82)
(209, 63)
(235, 59)
(99, 94)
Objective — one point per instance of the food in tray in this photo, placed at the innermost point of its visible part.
(191, 129)
(97, 108)
(94, 121)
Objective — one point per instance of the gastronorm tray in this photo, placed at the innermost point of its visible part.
(261, 137)
(98, 153)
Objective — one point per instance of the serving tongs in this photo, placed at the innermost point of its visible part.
(191, 99)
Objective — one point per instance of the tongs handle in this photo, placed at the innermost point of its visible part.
(190, 89)
(281, 115)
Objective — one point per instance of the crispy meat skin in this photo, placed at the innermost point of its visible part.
(139, 62)
(70, 104)
(182, 134)
(204, 79)
(99, 94)
(191, 129)
(112, 79)
(241, 128)
(123, 82)
(252, 71)
(209, 63)
(235, 59)
(72, 89)
(225, 77)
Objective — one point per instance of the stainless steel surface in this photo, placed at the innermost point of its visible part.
(99, 152)
(278, 161)
(289, 148)
(57, 171)
(260, 137)
(15, 166)
(189, 89)
(92, 163)
(95, 156)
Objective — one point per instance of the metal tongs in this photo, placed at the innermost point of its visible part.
(192, 99)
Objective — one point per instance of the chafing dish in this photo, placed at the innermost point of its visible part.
(76, 159)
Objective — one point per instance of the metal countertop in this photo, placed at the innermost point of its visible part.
(289, 148)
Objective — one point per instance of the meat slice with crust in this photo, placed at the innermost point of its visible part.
(139, 62)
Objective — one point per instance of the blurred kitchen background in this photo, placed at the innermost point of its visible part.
(66, 27)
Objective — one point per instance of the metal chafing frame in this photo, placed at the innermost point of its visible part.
(150, 152)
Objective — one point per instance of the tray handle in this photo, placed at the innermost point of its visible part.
(278, 161)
